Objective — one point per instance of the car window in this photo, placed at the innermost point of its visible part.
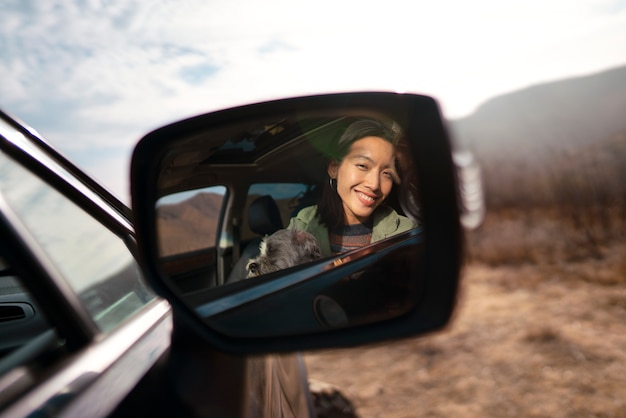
(94, 261)
(190, 220)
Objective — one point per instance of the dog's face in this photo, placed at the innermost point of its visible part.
(283, 249)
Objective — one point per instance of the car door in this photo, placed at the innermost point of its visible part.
(82, 334)
(78, 325)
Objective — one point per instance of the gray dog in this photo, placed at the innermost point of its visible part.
(283, 249)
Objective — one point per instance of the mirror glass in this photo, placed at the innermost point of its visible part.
(291, 223)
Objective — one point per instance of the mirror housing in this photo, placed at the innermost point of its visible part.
(175, 158)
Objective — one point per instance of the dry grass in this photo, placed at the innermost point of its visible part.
(546, 236)
(540, 331)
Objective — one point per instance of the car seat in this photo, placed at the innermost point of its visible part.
(263, 219)
(264, 216)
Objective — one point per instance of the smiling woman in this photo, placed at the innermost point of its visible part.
(361, 174)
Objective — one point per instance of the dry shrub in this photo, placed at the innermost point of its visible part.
(543, 236)
(543, 334)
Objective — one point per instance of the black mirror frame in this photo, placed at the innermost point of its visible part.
(443, 252)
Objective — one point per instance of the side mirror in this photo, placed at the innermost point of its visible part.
(196, 187)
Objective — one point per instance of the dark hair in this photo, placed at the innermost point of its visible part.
(330, 206)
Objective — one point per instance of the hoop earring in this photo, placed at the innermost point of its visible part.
(330, 182)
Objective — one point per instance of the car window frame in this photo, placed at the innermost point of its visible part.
(60, 304)
(27, 255)
(22, 150)
(89, 355)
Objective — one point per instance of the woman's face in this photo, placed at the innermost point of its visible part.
(364, 177)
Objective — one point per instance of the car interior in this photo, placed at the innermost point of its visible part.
(266, 210)
(263, 218)
(286, 179)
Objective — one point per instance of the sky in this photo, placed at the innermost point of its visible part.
(93, 77)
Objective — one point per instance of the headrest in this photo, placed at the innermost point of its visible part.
(264, 216)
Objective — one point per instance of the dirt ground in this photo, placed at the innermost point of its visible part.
(527, 340)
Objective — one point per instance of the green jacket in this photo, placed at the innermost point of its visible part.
(387, 222)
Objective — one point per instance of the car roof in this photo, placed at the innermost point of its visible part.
(265, 151)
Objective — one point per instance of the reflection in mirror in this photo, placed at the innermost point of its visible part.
(187, 231)
(188, 221)
(94, 262)
(232, 195)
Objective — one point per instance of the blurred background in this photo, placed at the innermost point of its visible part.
(537, 91)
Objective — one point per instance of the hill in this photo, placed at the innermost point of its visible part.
(189, 225)
(548, 118)
(559, 143)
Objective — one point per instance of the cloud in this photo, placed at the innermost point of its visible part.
(92, 75)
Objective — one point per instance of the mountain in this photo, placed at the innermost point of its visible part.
(558, 143)
(547, 119)
(189, 225)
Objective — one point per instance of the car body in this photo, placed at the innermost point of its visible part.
(82, 334)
